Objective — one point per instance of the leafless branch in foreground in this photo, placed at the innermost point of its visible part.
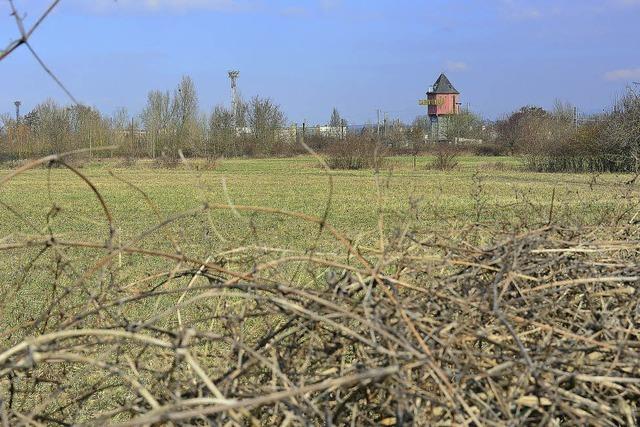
(23, 39)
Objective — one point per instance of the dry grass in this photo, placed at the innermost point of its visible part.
(424, 327)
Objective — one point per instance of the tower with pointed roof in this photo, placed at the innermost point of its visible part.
(442, 103)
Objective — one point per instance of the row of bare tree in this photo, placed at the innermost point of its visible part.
(170, 122)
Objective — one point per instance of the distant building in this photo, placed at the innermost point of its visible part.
(327, 131)
(442, 102)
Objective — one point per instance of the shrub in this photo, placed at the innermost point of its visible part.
(15, 163)
(526, 128)
(207, 164)
(488, 149)
(446, 158)
(466, 125)
(499, 166)
(550, 142)
(579, 163)
(165, 161)
(78, 160)
(318, 142)
(127, 162)
(355, 152)
(592, 147)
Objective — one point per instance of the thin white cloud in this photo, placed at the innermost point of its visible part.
(626, 2)
(287, 8)
(165, 5)
(293, 8)
(520, 10)
(328, 5)
(295, 11)
(623, 74)
(456, 66)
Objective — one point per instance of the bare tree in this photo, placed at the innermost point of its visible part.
(416, 135)
(563, 111)
(222, 132)
(265, 119)
(52, 127)
(336, 120)
(465, 125)
(241, 112)
(185, 102)
(156, 114)
(156, 118)
(624, 130)
(87, 127)
(120, 123)
(523, 129)
(184, 111)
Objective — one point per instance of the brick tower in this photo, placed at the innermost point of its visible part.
(443, 103)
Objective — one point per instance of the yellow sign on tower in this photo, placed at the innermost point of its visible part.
(427, 102)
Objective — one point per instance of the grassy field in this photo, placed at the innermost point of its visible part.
(488, 190)
(45, 289)
(493, 192)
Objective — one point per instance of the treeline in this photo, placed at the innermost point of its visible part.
(172, 122)
(559, 141)
(169, 123)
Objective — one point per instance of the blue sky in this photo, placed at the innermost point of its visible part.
(312, 55)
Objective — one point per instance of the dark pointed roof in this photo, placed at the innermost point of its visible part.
(444, 86)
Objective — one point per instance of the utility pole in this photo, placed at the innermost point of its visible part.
(17, 104)
(384, 131)
(575, 117)
(17, 131)
(378, 128)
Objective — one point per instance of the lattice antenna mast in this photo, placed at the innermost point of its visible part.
(235, 100)
(17, 104)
